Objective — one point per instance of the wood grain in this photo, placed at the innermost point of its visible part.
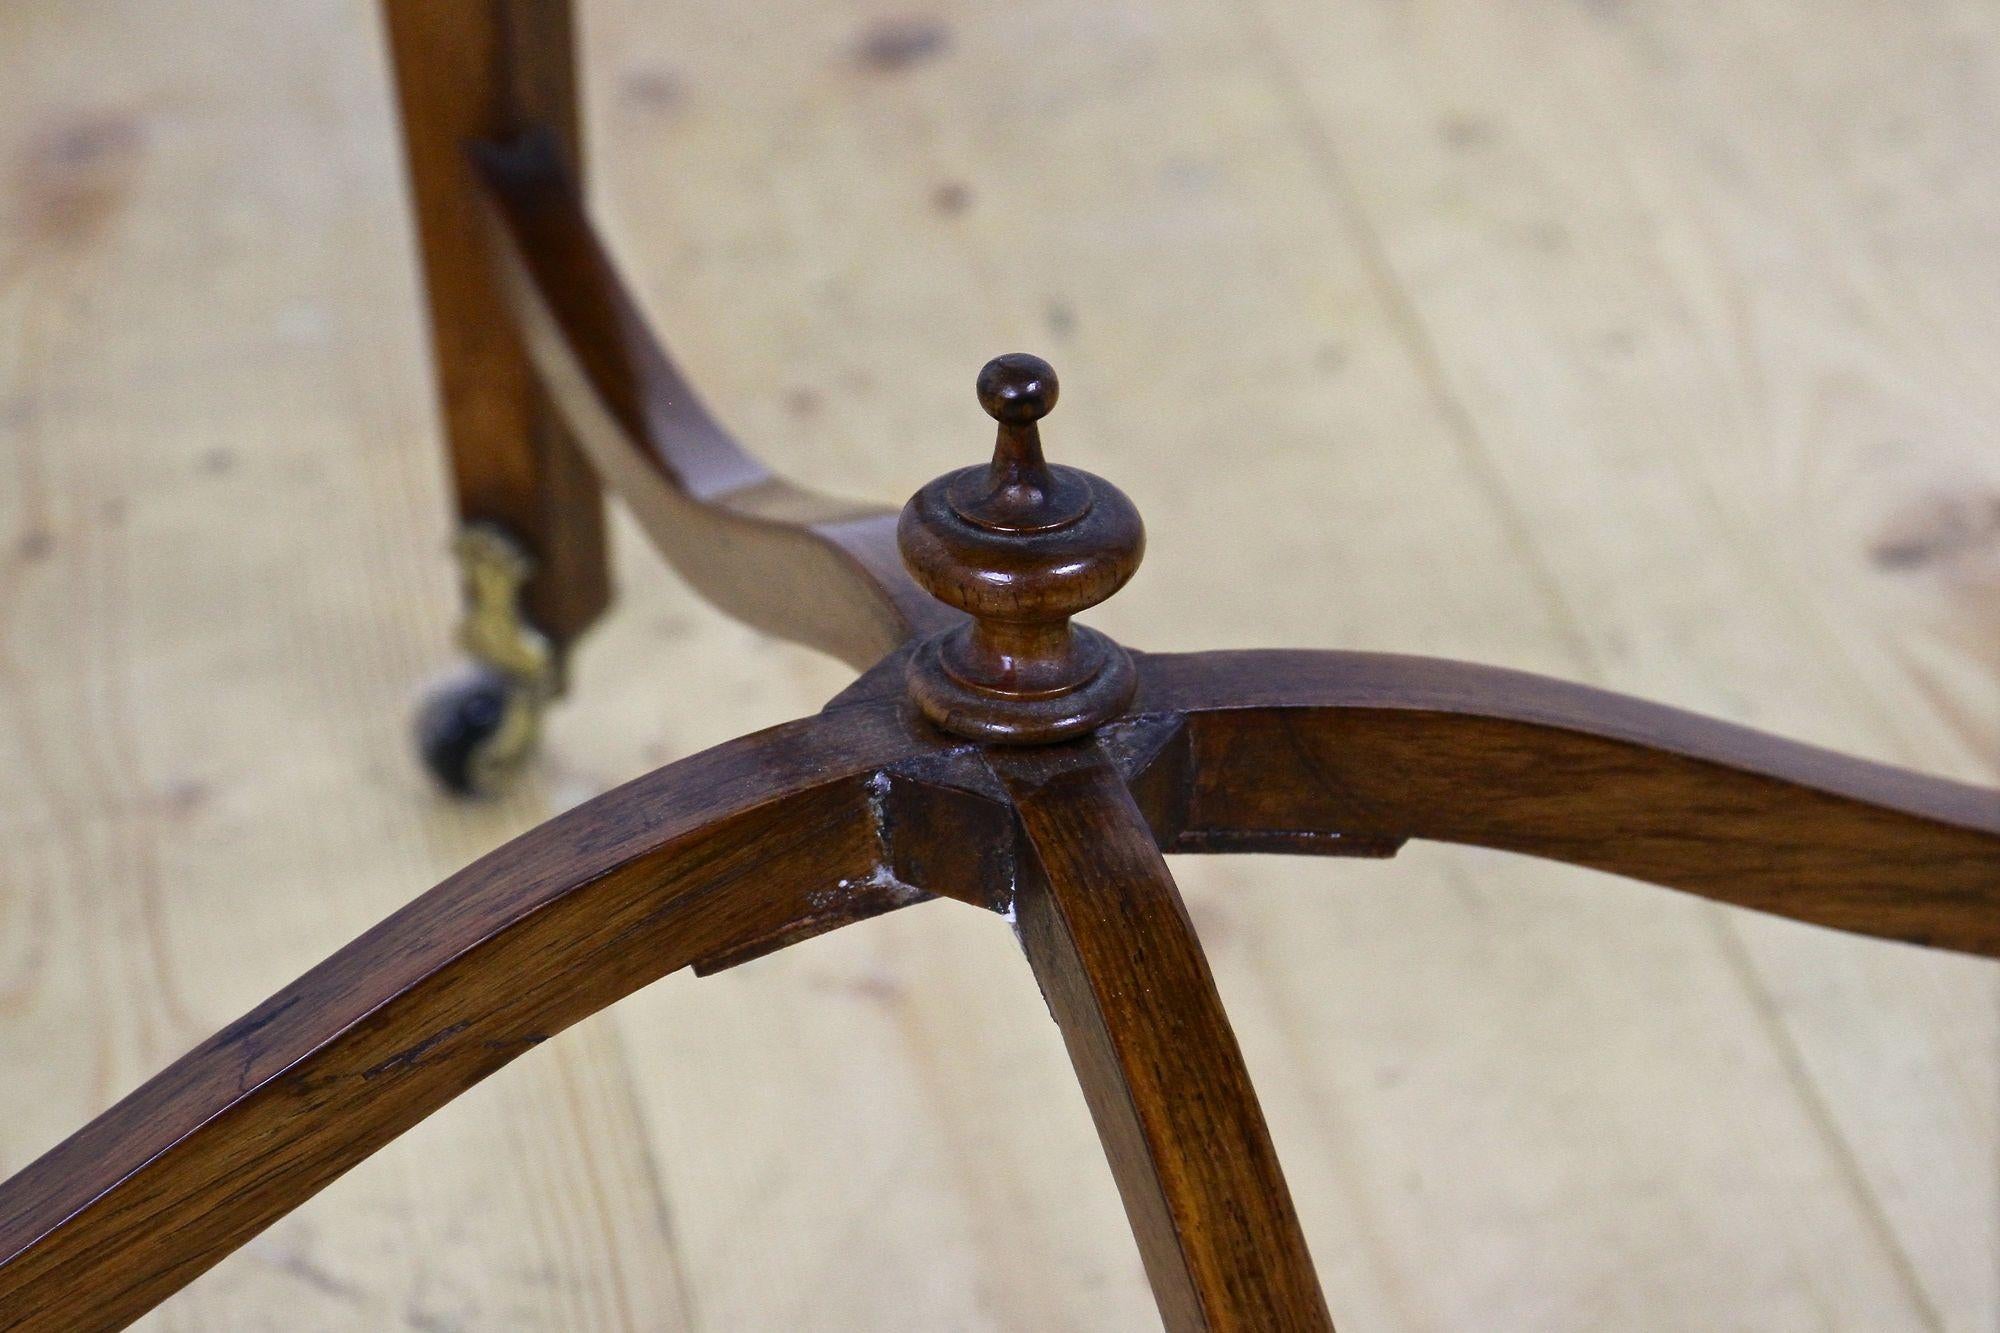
(469, 70)
(1271, 748)
(1382, 747)
(1696, 314)
(1110, 941)
(820, 571)
(767, 838)
(1020, 547)
(1698, 420)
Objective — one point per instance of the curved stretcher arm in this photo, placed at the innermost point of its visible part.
(806, 567)
(1318, 751)
(744, 847)
(1103, 925)
(808, 826)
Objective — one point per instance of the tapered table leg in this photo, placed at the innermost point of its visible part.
(1110, 941)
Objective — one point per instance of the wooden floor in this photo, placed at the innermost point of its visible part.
(1648, 342)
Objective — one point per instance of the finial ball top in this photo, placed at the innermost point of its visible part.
(1017, 388)
(1020, 546)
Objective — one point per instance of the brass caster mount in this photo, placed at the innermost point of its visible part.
(478, 727)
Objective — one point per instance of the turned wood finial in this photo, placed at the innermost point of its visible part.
(1020, 545)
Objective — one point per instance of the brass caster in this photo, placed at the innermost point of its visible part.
(477, 729)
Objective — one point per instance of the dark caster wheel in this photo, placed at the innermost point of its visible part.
(475, 729)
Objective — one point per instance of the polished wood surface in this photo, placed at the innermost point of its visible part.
(786, 834)
(1383, 748)
(1020, 547)
(1110, 941)
(470, 70)
(790, 561)
(1883, 1272)
(725, 853)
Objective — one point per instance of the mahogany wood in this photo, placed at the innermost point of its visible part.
(1021, 547)
(467, 70)
(791, 562)
(1104, 927)
(1375, 747)
(800, 829)
(761, 841)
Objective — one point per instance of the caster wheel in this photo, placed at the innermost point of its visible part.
(476, 729)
